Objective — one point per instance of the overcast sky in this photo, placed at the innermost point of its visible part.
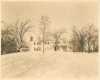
(62, 14)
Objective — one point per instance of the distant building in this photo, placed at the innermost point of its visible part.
(35, 43)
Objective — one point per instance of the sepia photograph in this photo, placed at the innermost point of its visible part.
(49, 40)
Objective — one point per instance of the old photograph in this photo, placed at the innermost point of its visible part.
(42, 40)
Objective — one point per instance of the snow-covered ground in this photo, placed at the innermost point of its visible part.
(50, 66)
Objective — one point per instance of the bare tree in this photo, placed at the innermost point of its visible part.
(21, 27)
(91, 38)
(78, 40)
(75, 40)
(7, 39)
(57, 36)
(44, 22)
(85, 39)
(7, 32)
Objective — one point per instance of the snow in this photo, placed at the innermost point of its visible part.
(51, 66)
